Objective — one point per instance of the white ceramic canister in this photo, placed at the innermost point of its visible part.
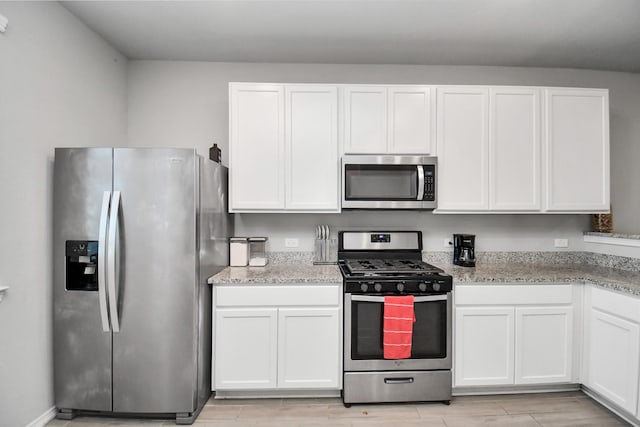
(239, 251)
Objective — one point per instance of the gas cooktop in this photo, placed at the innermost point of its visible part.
(383, 266)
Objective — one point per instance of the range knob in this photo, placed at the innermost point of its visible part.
(423, 287)
(400, 286)
(436, 287)
(377, 287)
(364, 287)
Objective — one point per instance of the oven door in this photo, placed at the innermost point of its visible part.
(388, 182)
(431, 343)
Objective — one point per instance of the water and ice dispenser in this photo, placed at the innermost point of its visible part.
(81, 257)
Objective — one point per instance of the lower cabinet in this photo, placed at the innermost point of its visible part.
(612, 347)
(484, 346)
(278, 337)
(544, 344)
(246, 351)
(513, 334)
(308, 347)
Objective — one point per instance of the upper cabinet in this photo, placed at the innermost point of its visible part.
(514, 149)
(577, 150)
(463, 148)
(389, 120)
(500, 149)
(494, 156)
(489, 149)
(256, 149)
(283, 148)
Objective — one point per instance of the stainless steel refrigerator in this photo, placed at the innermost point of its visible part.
(137, 232)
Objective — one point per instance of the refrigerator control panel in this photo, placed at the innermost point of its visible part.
(81, 248)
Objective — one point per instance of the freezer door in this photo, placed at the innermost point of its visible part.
(82, 350)
(154, 352)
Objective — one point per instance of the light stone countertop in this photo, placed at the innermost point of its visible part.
(616, 235)
(532, 273)
(525, 273)
(278, 274)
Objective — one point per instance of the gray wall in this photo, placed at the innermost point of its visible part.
(185, 104)
(60, 85)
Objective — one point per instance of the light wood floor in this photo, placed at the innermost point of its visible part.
(535, 410)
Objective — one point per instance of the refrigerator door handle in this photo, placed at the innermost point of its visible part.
(102, 258)
(111, 261)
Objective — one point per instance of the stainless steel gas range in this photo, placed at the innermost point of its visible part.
(376, 264)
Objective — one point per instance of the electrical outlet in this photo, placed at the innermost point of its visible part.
(447, 243)
(291, 243)
(561, 243)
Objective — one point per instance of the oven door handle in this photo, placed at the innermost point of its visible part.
(367, 298)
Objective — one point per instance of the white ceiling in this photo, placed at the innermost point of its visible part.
(594, 34)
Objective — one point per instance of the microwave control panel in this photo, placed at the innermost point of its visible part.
(429, 182)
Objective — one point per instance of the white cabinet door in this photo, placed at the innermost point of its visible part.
(544, 341)
(462, 136)
(256, 148)
(311, 148)
(484, 346)
(577, 150)
(614, 352)
(246, 348)
(411, 120)
(365, 119)
(514, 149)
(309, 348)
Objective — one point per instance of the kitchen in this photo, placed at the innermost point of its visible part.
(70, 81)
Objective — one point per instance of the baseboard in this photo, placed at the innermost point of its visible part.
(514, 389)
(43, 419)
(626, 416)
(286, 394)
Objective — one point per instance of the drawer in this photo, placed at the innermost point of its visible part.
(397, 386)
(512, 294)
(277, 295)
(616, 303)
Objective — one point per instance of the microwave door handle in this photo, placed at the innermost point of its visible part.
(420, 182)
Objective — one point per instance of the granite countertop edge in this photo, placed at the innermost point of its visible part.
(532, 274)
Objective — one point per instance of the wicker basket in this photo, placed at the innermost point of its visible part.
(602, 223)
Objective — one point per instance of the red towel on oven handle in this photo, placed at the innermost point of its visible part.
(397, 327)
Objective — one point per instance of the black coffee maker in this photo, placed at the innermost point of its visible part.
(464, 250)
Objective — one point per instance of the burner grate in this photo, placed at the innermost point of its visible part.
(389, 266)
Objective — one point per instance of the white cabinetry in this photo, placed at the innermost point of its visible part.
(513, 334)
(484, 343)
(283, 148)
(488, 149)
(514, 149)
(246, 340)
(462, 140)
(271, 337)
(612, 347)
(256, 149)
(307, 349)
(577, 150)
(389, 119)
(544, 344)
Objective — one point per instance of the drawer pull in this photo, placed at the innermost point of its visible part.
(407, 380)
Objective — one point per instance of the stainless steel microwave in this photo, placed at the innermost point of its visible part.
(389, 182)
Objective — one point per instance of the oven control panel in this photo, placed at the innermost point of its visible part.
(402, 287)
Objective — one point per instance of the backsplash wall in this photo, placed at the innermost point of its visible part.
(494, 232)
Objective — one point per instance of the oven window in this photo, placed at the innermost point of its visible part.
(381, 182)
(429, 331)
